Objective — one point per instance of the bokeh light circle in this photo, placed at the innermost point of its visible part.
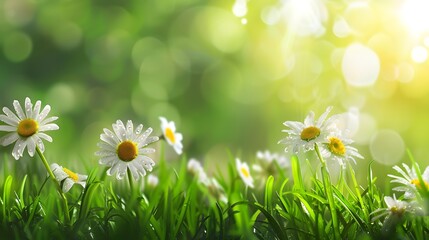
(387, 147)
(360, 65)
(17, 46)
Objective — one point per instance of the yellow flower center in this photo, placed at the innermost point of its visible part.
(336, 146)
(27, 127)
(310, 133)
(245, 172)
(71, 174)
(127, 151)
(397, 211)
(418, 184)
(170, 135)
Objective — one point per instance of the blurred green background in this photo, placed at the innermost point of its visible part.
(228, 72)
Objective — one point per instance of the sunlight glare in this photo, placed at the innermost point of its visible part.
(414, 15)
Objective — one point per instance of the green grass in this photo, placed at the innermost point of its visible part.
(180, 207)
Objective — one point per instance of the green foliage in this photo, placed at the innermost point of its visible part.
(180, 207)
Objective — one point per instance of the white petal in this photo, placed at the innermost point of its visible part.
(9, 139)
(44, 136)
(114, 168)
(48, 120)
(6, 128)
(28, 108)
(122, 170)
(8, 120)
(10, 114)
(67, 184)
(138, 129)
(148, 141)
(129, 130)
(44, 113)
(107, 139)
(111, 135)
(18, 149)
(143, 137)
(309, 119)
(49, 127)
(148, 163)
(31, 146)
(119, 129)
(139, 166)
(18, 110)
(59, 173)
(146, 150)
(133, 171)
(108, 160)
(36, 110)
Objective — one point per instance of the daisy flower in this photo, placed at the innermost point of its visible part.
(26, 128)
(303, 136)
(173, 138)
(409, 180)
(125, 148)
(67, 178)
(338, 148)
(243, 171)
(395, 208)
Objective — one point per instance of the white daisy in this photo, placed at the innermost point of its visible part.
(196, 169)
(126, 148)
(243, 171)
(26, 127)
(173, 138)
(409, 180)
(337, 147)
(395, 208)
(303, 136)
(67, 178)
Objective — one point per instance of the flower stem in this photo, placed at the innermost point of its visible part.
(57, 184)
(329, 194)
(130, 181)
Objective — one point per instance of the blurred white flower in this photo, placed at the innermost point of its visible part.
(243, 171)
(125, 148)
(196, 169)
(26, 127)
(173, 138)
(215, 189)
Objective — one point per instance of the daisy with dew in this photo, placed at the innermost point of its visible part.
(243, 171)
(67, 178)
(125, 149)
(26, 128)
(169, 132)
(303, 136)
(337, 147)
(409, 180)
